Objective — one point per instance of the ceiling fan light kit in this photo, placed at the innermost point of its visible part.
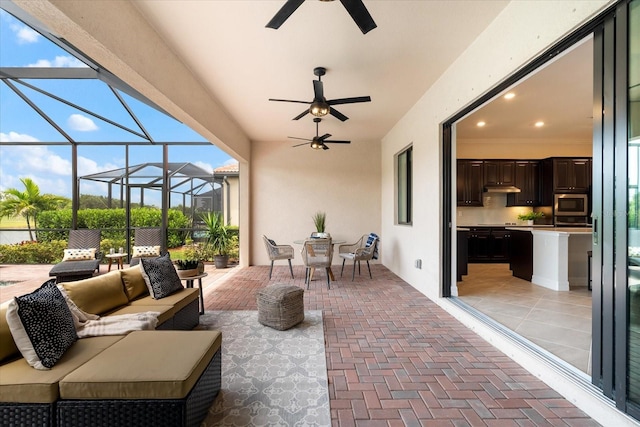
(318, 142)
(320, 106)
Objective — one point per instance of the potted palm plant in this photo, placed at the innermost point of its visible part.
(218, 238)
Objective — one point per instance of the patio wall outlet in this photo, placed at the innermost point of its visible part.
(418, 263)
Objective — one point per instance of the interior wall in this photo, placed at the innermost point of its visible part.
(525, 149)
(290, 184)
(520, 33)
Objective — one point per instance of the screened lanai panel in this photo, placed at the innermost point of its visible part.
(161, 127)
(21, 123)
(21, 46)
(79, 125)
(90, 94)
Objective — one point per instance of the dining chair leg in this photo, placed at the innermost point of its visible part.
(353, 275)
(290, 268)
(369, 267)
(271, 270)
(306, 277)
(328, 278)
(342, 270)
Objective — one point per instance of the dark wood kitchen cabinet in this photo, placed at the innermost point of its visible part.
(499, 172)
(521, 259)
(469, 182)
(489, 244)
(571, 175)
(527, 179)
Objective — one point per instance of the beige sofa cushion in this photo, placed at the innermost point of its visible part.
(98, 294)
(179, 299)
(167, 366)
(20, 383)
(8, 348)
(134, 284)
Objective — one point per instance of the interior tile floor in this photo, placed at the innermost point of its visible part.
(394, 357)
(559, 322)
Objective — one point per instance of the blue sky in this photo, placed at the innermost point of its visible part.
(50, 165)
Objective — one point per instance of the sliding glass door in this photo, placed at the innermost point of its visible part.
(633, 203)
(616, 208)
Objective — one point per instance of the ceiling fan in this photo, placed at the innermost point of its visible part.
(319, 142)
(320, 106)
(356, 9)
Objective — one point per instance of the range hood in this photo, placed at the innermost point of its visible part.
(501, 189)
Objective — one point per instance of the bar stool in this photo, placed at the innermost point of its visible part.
(589, 253)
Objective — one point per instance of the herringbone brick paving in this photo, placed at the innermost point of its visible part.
(395, 358)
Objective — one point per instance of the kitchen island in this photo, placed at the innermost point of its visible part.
(559, 256)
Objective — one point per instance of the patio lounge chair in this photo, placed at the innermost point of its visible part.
(146, 237)
(82, 256)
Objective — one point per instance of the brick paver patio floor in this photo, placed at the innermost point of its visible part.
(394, 358)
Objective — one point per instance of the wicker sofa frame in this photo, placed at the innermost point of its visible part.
(187, 412)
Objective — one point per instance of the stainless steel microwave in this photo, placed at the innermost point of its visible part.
(571, 204)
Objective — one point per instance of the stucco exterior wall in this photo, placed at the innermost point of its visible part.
(288, 185)
(522, 31)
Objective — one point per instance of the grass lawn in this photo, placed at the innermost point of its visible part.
(14, 222)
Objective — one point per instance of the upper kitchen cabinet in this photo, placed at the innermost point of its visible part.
(564, 175)
(527, 179)
(571, 175)
(499, 172)
(469, 182)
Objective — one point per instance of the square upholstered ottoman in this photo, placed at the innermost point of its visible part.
(280, 306)
(149, 378)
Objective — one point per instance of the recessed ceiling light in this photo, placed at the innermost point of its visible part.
(539, 124)
(480, 124)
(510, 95)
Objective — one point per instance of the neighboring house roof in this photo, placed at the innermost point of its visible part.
(232, 169)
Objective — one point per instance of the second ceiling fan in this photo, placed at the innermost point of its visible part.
(320, 106)
(319, 142)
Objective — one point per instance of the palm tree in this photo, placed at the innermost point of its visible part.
(27, 203)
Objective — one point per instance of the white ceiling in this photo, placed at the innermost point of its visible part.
(243, 64)
(560, 94)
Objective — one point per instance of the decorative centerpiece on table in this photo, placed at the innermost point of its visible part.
(319, 220)
(530, 217)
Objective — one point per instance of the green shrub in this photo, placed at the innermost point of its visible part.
(33, 252)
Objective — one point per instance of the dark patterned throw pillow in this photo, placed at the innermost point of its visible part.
(160, 276)
(48, 322)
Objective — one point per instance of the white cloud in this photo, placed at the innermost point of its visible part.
(81, 123)
(204, 166)
(87, 166)
(24, 34)
(34, 160)
(59, 62)
(17, 137)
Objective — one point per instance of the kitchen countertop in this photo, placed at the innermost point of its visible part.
(559, 230)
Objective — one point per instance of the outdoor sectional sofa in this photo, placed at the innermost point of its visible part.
(167, 376)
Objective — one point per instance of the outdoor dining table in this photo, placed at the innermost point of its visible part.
(333, 242)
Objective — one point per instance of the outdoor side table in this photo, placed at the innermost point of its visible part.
(189, 283)
(118, 257)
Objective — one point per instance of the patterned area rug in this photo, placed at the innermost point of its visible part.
(269, 377)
